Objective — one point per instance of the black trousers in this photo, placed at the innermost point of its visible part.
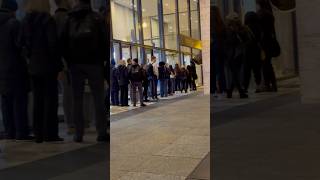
(253, 64)
(15, 110)
(145, 85)
(45, 108)
(124, 95)
(269, 74)
(95, 76)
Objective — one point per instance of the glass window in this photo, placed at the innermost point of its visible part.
(150, 22)
(184, 17)
(172, 58)
(170, 24)
(124, 18)
(195, 31)
(116, 51)
(126, 51)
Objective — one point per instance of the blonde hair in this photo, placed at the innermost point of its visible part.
(37, 6)
(122, 62)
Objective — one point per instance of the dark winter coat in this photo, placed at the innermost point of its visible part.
(12, 65)
(95, 51)
(135, 73)
(123, 75)
(39, 36)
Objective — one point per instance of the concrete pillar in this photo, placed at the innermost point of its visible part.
(205, 37)
(309, 49)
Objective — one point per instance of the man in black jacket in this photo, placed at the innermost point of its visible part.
(13, 75)
(85, 41)
(136, 78)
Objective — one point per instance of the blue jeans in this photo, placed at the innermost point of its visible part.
(164, 87)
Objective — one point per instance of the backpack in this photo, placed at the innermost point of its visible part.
(83, 34)
(135, 73)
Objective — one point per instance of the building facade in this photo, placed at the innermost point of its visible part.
(167, 29)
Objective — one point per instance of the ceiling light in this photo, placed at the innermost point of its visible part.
(144, 25)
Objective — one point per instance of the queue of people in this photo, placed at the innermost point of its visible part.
(242, 49)
(143, 80)
(43, 49)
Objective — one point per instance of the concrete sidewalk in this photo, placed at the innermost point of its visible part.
(165, 142)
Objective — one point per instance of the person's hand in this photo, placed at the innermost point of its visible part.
(61, 76)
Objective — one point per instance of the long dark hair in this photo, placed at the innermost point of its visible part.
(217, 20)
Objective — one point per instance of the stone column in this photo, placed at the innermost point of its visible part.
(205, 37)
(309, 49)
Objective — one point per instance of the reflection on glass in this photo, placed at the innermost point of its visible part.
(116, 51)
(172, 58)
(126, 54)
(184, 17)
(124, 18)
(195, 31)
(170, 22)
(150, 22)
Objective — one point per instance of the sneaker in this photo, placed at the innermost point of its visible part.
(142, 105)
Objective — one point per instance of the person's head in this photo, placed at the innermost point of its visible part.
(162, 63)
(129, 61)
(66, 4)
(122, 62)
(153, 59)
(10, 5)
(251, 18)
(233, 21)
(177, 65)
(135, 61)
(263, 5)
(42, 6)
(170, 67)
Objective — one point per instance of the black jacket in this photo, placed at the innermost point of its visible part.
(12, 65)
(95, 51)
(123, 75)
(39, 36)
(135, 73)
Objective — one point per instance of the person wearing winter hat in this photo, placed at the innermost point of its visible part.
(13, 75)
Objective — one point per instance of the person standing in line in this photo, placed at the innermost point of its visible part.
(163, 79)
(172, 80)
(194, 75)
(40, 38)
(253, 52)
(269, 43)
(235, 54)
(145, 83)
(85, 50)
(136, 77)
(218, 39)
(189, 78)
(177, 71)
(183, 79)
(123, 83)
(114, 84)
(61, 15)
(129, 64)
(150, 75)
(14, 84)
(168, 87)
(155, 76)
